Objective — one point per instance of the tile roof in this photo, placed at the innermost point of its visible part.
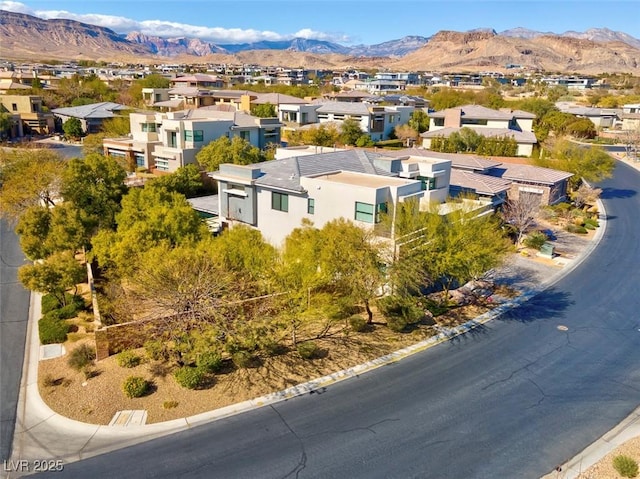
(475, 112)
(278, 98)
(342, 107)
(103, 109)
(481, 184)
(285, 174)
(458, 160)
(530, 173)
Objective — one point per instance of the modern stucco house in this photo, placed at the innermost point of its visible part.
(91, 116)
(30, 115)
(485, 121)
(166, 141)
(275, 196)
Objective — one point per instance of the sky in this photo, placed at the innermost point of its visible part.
(348, 22)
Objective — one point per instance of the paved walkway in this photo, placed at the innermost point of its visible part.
(43, 434)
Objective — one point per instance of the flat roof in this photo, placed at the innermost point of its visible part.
(361, 179)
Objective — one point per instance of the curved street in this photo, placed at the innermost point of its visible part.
(512, 398)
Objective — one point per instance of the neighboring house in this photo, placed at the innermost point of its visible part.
(198, 80)
(497, 178)
(631, 116)
(376, 121)
(359, 185)
(29, 115)
(166, 141)
(547, 185)
(600, 117)
(502, 123)
(91, 116)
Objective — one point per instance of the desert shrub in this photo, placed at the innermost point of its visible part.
(399, 311)
(273, 348)
(90, 372)
(357, 323)
(189, 377)
(170, 404)
(128, 359)
(156, 350)
(591, 222)
(50, 381)
(535, 240)
(576, 229)
(589, 227)
(135, 386)
(52, 330)
(49, 302)
(69, 311)
(626, 466)
(210, 361)
(308, 350)
(81, 357)
(242, 359)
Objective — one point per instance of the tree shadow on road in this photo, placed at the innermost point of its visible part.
(610, 193)
(551, 303)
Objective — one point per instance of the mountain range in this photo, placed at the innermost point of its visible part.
(593, 51)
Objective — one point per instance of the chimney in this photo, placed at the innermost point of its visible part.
(452, 117)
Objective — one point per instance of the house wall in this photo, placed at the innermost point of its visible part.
(525, 124)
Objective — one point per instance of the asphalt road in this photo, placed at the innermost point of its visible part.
(14, 313)
(512, 399)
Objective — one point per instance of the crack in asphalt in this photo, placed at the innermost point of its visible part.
(542, 393)
(302, 463)
(526, 366)
(368, 428)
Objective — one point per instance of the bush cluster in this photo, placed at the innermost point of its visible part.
(135, 386)
(400, 312)
(242, 359)
(52, 329)
(535, 240)
(308, 350)
(81, 357)
(357, 323)
(581, 230)
(626, 466)
(128, 359)
(210, 361)
(190, 377)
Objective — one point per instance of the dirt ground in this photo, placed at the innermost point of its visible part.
(97, 399)
(603, 469)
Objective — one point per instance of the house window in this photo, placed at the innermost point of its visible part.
(244, 135)
(14, 106)
(194, 135)
(427, 183)
(279, 201)
(311, 206)
(173, 139)
(139, 160)
(162, 164)
(364, 212)
(381, 208)
(148, 127)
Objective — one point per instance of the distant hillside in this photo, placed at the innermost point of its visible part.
(25, 36)
(482, 50)
(594, 51)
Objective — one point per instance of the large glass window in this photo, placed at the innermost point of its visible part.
(364, 212)
(149, 127)
(194, 135)
(381, 208)
(427, 183)
(279, 201)
(311, 206)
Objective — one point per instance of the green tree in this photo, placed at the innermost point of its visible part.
(6, 123)
(73, 128)
(29, 177)
(419, 121)
(95, 185)
(321, 135)
(186, 180)
(582, 128)
(149, 218)
(223, 150)
(33, 228)
(265, 110)
(351, 264)
(350, 131)
(54, 276)
(590, 163)
(406, 133)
